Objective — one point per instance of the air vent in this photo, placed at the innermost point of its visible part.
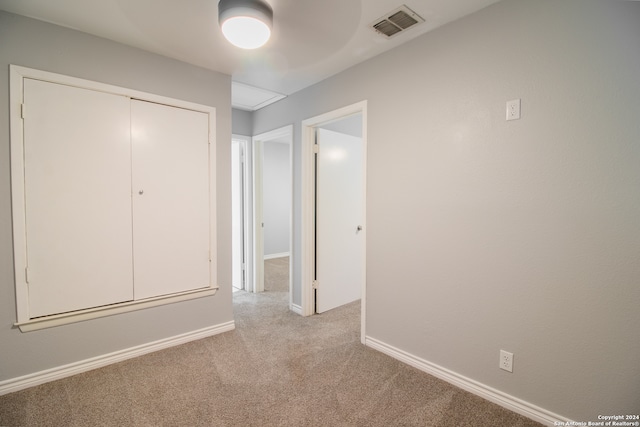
(396, 21)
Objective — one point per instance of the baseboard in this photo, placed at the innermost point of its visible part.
(30, 380)
(295, 308)
(505, 400)
(272, 256)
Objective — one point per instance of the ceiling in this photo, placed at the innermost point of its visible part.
(311, 39)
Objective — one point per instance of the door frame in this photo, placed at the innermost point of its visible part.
(244, 142)
(285, 132)
(309, 204)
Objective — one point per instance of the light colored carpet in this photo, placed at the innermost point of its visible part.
(276, 274)
(275, 369)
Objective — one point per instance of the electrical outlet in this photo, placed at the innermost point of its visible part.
(513, 109)
(506, 360)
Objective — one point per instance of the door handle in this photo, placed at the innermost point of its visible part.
(359, 228)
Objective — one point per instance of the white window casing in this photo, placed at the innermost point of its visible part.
(113, 198)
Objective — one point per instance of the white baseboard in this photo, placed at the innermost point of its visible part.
(295, 308)
(272, 256)
(505, 400)
(30, 380)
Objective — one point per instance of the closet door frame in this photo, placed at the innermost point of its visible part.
(17, 111)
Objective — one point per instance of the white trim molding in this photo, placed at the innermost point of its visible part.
(273, 256)
(295, 308)
(17, 77)
(109, 310)
(37, 378)
(498, 397)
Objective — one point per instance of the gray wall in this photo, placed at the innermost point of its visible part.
(276, 193)
(51, 48)
(241, 122)
(485, 234)
(351, 125)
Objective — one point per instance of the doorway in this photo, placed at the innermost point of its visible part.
(239, 213)
(272, 205)
(333, 210)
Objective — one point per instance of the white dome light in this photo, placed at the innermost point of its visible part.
(245, 23)
(246, 32)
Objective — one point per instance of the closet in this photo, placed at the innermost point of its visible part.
(115, 202)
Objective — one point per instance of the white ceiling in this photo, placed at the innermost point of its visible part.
(311, 39)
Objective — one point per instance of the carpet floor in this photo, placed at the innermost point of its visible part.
(275, 369)
(276, 274)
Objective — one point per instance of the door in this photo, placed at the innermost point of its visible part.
(77, 174)
(170, 157)
(237, 214)
(339, 219)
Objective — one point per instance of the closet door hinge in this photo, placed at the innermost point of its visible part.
(23, 110)
(314, 284)
(316, 148)
(26, 275)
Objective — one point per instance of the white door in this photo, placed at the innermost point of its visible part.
(77, 172)
(237, 214)
(339, 220)
(170, 157)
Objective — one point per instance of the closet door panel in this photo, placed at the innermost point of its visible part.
(170, 151)
(77, 171)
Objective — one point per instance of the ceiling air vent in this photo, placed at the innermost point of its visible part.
(396, 21)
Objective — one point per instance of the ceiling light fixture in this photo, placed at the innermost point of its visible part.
(245, 23)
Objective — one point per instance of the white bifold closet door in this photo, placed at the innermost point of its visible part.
(77, 173)
(117, 198)
(170, 157)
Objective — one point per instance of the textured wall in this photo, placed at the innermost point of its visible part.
(485, 234)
